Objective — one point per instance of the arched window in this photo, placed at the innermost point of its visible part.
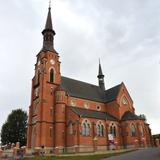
(52, 75)
(85, 128)
(142, 130)
(51, 131)
(47, 37)
(112, 130)
(70, 128)
(133, 130)
(50, 38)
(100, 129)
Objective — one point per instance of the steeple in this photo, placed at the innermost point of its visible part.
(101, 77)
(48, 33)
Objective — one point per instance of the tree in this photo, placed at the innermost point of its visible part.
(15, 128)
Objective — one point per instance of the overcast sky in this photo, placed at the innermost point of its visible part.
(125, 34)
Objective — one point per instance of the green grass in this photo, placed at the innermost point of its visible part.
(81, 157)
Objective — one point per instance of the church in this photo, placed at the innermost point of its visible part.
(70, 116)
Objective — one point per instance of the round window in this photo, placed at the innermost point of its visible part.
(98, 108)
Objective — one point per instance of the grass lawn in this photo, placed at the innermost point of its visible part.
(81, 157)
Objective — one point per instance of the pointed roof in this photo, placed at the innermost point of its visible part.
(48, 26)
(48, 34)
(100, 69)
(49, 20)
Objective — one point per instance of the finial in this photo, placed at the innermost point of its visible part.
(49, 4)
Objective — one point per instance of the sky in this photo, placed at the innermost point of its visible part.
(124, 34)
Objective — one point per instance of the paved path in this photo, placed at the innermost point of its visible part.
(143, 154)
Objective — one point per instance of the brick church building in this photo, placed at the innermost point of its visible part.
(68, 115)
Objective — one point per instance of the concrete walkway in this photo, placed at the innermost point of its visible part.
(142, 154)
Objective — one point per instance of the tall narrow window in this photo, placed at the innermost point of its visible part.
(83, 129)
(110, 130)
(50, 131)
(142, 130)
(71, 128)
(86, 128)
(100, 129)
(52, 75)
(113, 130)
(133, 130)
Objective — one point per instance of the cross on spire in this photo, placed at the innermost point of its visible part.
(49, 3)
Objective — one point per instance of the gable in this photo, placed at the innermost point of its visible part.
(123, 92)
(112, 93)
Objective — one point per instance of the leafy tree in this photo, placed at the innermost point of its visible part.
(15, 128)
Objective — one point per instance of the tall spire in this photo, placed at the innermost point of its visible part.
(101, 77)
(49, 18)
(48, 33)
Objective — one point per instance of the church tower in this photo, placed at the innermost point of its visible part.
(68, 115)
(44, 83)
(101, 77)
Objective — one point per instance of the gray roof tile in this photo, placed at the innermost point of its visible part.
(131, 116)
(87, 113)
(88, 91)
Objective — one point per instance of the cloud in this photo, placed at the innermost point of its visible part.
(124, 34)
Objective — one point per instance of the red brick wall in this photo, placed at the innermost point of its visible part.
(43, 118)
(81, 103)
(54, 114)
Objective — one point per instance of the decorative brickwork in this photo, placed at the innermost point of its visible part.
(67, 115)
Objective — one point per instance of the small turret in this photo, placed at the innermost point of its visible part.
(101, 77)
